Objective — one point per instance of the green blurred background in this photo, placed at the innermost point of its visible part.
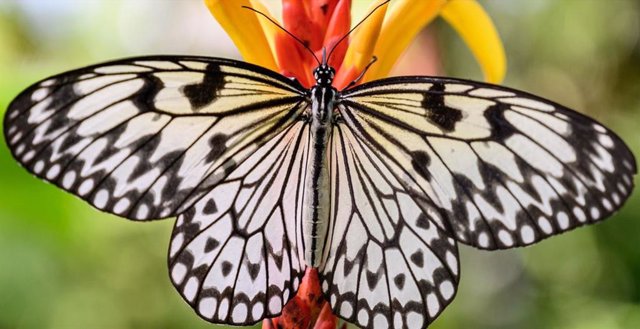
(65, 265)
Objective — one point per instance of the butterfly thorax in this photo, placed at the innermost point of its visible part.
(317, 199)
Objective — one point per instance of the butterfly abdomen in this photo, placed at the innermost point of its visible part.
(317, 199)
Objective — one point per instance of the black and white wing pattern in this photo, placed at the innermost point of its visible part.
(502, 167)
(386, 263)
(147, 137)
(237, 255)
(416, 164)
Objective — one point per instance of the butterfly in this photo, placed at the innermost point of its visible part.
(374, 185)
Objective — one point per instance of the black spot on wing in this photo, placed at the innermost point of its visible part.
(437, 112)
(399, 281)
(210, 207)
(144, 99)
(444, 117)
(420, 161)
(254, 270)
(217, 145)
(418, 258)
(226, 268)
(203, 93)
(501, 129)
(373, 278)
(211, 244)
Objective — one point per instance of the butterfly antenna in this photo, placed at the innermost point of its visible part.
(356, 26)
(283, 29)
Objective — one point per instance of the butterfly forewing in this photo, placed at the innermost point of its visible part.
(146, 137)
(505, 168)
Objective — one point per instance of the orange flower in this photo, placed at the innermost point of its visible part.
(306, 308)
(385, 34)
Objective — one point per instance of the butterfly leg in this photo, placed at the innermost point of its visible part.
(337, 119)
(366, 68)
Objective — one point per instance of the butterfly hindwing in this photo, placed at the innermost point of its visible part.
(237, 256)
(146, 137)
(504, 167)
(386, 263)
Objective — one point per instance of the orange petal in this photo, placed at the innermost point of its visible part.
(270, 29)
(310, 290)
(338, 26)
(268, 324)
(290, 59)
(345, 76)
(245, 30)
(305, 307)
(361, 47)
(322, 11)
(296, 21)
(326, 319)
(477, 30)
(296, 314)
(404, 20)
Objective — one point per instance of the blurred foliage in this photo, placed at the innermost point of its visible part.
(65, 265)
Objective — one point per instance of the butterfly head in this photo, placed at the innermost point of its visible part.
(324, 74)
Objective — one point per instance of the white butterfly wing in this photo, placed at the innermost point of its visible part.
(504, 168)
(146, 137)
(237, 256)
(386, 263)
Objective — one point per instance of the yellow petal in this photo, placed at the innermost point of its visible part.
(477, 30)
(270, 29)
(362, 45)
(245, 30)
(404, 20)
